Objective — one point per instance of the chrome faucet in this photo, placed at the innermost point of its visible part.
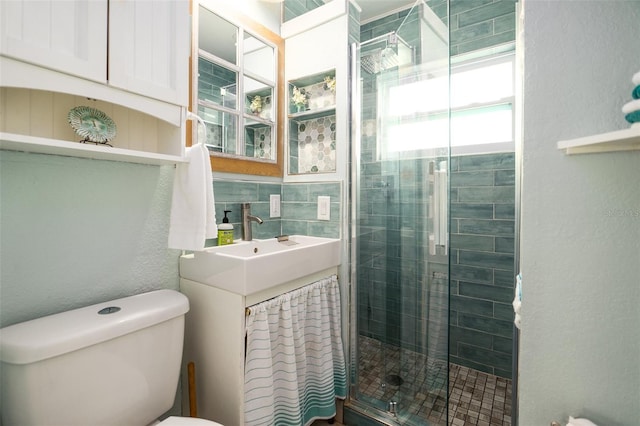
(247, 218)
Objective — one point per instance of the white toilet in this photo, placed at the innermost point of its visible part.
(114, 363)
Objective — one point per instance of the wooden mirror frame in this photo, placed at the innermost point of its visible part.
(238, 164)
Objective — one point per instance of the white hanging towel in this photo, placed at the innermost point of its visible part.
(295, 367)
(580, 422)
(193, 215)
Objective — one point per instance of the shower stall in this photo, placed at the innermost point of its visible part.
(401, 251)
(400, 207)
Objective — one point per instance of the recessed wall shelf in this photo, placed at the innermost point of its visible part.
(312, 126)
(26, 143)
(620, 140)
(314, 113)
(36, 121)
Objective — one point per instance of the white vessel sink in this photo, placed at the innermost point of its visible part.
(248, 267)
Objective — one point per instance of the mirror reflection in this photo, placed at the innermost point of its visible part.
(258, 140)
(217, 36)
(258, 58)
(221, 130)
(236, 94)
(216, 85)
(258, 99)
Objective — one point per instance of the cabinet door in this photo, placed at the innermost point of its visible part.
(149, 45)
(68, 36)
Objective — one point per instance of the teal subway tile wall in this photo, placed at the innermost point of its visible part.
(487, 25)
(482, 255)
(218, 85)
(477, 25)
(229, 194)
(294, 8)
(473, 25)
(298, 207)
(212, 78)
(354, 23)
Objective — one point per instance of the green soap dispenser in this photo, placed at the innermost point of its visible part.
(225, 231)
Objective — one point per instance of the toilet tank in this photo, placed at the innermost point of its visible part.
(114, 363)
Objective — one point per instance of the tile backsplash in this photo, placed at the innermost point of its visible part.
(298, 207)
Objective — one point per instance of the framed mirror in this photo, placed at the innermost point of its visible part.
(238, 90)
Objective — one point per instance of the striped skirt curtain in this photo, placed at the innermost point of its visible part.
(295, 366)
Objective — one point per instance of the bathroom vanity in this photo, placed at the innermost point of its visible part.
(221, 282)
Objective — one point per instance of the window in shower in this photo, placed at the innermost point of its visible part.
(416, 105)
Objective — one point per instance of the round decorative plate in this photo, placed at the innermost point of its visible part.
(91, 124)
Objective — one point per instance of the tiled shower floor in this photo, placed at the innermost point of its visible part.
(475, 398)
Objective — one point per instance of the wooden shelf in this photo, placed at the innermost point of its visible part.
(620, 140)
(15, 142)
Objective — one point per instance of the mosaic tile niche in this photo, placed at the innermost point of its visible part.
(313, 145)
(312, 124)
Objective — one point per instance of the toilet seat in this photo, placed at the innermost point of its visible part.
(187, 421)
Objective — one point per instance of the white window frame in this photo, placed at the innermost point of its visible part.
(416, 122)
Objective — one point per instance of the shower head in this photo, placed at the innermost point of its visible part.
(379, 60)
(393, 53)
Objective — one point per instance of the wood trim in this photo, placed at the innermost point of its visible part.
(239, 164)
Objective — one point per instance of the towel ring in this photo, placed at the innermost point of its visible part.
(194, 116)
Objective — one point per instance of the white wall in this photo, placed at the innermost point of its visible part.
(264, 12)
(580, 235)
(74, 232)
(316, 42)
(316, 50)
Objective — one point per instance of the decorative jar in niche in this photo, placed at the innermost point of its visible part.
(299, 98)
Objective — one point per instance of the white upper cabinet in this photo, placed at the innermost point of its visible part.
(149, 45)
(146, 43)
(68, 36)
(127, 58)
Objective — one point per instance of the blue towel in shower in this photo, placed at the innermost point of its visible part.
(636, 92)
(633, 117)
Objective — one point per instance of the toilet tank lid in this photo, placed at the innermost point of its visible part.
(54, 335)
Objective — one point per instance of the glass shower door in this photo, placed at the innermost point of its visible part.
(400, 228)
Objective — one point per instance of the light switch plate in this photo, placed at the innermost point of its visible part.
(324, 208)
(274, 205)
